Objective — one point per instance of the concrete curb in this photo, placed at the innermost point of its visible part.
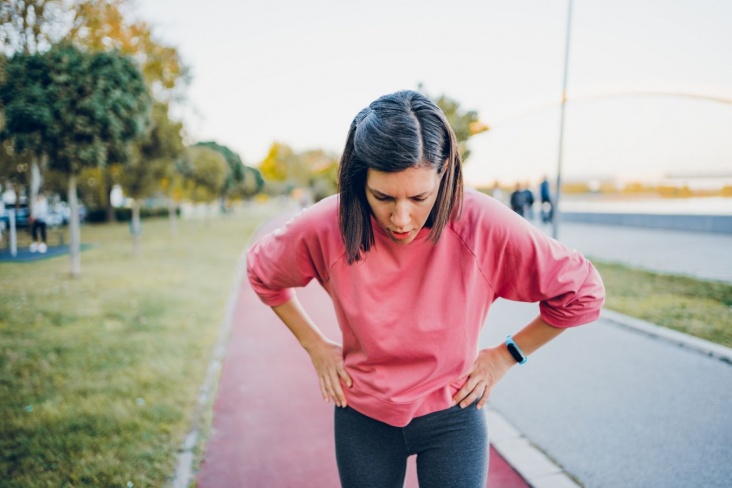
(702, 346)
(535, 467)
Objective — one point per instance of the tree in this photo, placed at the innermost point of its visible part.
(322, 169)
(250, 185)
(105, 25)
(207, 173)
(86, 109)
(152, 162)
(465, 123)
(235, 173)
(241, 181)
(33, 26)
(27, 115)
(313, 170)
(283, 165)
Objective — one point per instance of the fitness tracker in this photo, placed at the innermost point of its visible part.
(515, 351)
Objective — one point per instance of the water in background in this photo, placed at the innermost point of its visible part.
(666, 206)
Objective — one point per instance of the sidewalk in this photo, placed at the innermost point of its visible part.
(270, 427)
(703, 255)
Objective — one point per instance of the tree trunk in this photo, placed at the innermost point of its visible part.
(136, 227)
(35, 182)
(75, 246)
(110, 212)
(108, 184)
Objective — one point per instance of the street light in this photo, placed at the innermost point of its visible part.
(555, 220)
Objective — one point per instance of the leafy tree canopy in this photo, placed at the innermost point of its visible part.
(233, 160)
(106, 25)
(208, 173)
(154, 156)
(33, 26)
(465, 123)
(80, 109)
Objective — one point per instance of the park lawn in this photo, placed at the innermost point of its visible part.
(695, 307)
(99, 375)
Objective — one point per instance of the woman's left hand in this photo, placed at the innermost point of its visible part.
(483, 375)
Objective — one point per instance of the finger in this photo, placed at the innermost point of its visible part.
(459, 396)
(474, 395)
(323, 390)
(484, 398)
(464, 391)
(329, 389)
(344, 376)
(336, 382)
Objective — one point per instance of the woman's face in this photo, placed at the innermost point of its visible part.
(401, 202)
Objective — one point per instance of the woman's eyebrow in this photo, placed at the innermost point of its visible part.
(377, 192)
(381, 194)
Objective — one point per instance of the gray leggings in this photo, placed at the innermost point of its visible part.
(451, 447)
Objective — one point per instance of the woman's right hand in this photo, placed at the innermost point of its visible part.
(327, 358)
(326, 355)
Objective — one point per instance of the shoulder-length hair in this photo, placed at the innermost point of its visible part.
(396, 132)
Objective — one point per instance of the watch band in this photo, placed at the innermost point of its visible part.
(515, 351)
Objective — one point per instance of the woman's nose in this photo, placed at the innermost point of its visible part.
(400, 216)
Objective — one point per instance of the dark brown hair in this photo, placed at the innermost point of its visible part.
(396, 132)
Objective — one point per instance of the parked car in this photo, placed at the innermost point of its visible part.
(63, 210)
(22, 215)
(54, 218)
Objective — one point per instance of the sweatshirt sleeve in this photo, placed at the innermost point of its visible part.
(289, 257)
(524, 264)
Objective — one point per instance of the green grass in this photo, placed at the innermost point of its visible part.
(99, 375)
(699, 308)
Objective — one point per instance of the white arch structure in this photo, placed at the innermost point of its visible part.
(720, 96)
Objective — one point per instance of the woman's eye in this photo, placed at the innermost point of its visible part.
(381, 199)
(420, 199)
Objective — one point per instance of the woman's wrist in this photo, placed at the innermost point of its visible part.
(504, 356)
(312, 342)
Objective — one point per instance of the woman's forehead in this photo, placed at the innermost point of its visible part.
(412, 181)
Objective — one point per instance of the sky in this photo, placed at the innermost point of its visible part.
(298, 71)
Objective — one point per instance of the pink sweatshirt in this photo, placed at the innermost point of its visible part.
(411, 314)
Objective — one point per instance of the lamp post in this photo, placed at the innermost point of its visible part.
(557, 213)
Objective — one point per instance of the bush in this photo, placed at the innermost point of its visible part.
(125, 214)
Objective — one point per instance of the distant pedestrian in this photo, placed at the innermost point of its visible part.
(412, 263)
(547, 207)
(38, 217)
(518, 200)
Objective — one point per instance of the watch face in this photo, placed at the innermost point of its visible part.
(515, 352)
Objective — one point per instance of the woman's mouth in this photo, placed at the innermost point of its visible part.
(400, 235)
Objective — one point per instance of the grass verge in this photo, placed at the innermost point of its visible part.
(99, 375)
(695, 307)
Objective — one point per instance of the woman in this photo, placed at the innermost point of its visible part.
(412, 266)
(38, 216)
